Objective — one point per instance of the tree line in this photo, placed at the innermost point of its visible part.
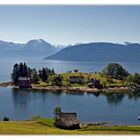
(22, 70)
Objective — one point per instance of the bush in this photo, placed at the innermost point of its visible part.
(58, 80)
(57, 111)
(134, 78)
(75, 70)
(6, 119)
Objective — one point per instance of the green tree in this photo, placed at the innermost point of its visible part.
(75, 70)
(58, 80)
(115, 70)
(134, 78)
(57, 111)
(15, 74)
(6, 119)
(34, 76)
(20, 70)
(44, 75)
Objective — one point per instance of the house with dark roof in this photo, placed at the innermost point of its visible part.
(95, 84)
(67, 121)
(24, 82)
(76, 79)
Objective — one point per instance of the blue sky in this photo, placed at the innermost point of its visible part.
(70, 24)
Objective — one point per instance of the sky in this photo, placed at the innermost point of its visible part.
(63, 25)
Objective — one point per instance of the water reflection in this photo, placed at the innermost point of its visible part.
(114, 98)
(134, 95)
(96, 94)
(25, 103)
(22, 97)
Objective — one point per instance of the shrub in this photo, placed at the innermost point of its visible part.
(6, 119)
(57, 111)
(134, 78)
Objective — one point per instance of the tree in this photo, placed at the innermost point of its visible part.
(57, 111)
(52, 72)
(34, 76)
(58, 80)
(5, 119)
(115, 70)
(75, 70)
(15, 74)
(44, 75)
(20, 70)
(25, 70)
(134, 78)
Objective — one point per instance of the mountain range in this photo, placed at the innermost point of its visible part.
(99, 52)
(95, 52)
(36, 48)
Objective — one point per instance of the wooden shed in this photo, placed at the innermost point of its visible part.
(24, 82)
(67, 121)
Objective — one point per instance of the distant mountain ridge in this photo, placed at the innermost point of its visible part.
(36, 48)
(99, 51)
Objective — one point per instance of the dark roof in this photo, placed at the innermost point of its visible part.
(67, 120)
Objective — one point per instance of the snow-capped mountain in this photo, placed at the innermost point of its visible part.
(36, 48)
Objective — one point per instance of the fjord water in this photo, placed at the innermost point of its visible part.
(20, 104)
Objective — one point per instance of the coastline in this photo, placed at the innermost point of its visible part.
(66, 88)
(83, 89)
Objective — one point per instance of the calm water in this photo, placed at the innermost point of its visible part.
(116, 108)
(23, 104)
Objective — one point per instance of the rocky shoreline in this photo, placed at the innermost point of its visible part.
(83, 89)
(65, 88)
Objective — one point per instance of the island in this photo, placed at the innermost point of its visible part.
(113, 78)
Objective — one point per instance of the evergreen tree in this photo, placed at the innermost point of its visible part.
(44, 75)
(40, 74)
(25, 69)
(15, 74)
(52, 71)
(20, 70)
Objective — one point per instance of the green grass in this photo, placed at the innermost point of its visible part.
(105, 81)
(45, 126)
(47, 122)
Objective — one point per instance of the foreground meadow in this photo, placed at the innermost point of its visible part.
(45, 126)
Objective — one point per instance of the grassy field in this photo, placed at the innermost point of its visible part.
(105, 81)
(45, 126)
